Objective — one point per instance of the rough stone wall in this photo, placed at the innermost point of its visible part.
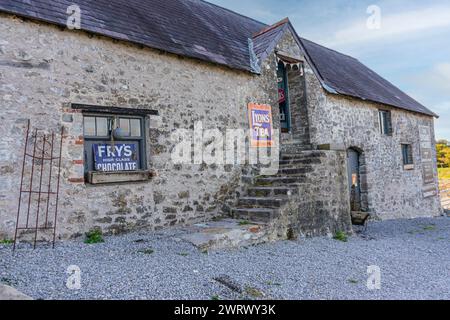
(390, 191)
(326, 209)
(43, 69)
(322, 206)
(298, 106)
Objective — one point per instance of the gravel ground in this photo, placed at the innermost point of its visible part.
(414, 257)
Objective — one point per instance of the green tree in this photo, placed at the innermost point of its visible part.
(443, 154)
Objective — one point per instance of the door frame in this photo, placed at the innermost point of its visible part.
(362, 179)
(286, 93)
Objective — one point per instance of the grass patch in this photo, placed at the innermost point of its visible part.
(94, 236)
(444, 173)
(429, 228)
(341, 236)
(215, 297)
(6, 241)
(353, 281)
(183, 254)
(253, 292)
(147, 251)
(244, 223)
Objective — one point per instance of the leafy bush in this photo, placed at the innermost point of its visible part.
(443, 154)
(94, 236)
(341, 236)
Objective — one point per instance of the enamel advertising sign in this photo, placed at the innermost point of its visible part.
(261, 125)
(115, 157)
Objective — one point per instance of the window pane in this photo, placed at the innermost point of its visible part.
(386, 122)
(410, 155)
(407, 154)
(102, 127)
(404, 153)
(135, 127)
(380, 115)
(89, 126)
(124, 124)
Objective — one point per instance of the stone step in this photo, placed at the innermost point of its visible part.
(293, 148)
(280, 180)
(302, 155)
(288, 171)
(299, 162)
(260, 215)
(271, 191)
(266, 202)
(302, 136)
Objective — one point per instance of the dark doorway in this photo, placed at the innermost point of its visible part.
(283, 97)
(354, 178)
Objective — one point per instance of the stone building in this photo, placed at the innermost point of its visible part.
(128, 77)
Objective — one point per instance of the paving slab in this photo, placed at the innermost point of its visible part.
(9, 293)
(227, 233)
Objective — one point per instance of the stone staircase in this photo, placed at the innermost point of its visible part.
(265, 198)
(267, 208)
(307, 197)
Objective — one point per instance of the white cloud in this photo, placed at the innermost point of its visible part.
(443, 123)
(443, 70)
(392, 25)
(443, 108)
(435, 80)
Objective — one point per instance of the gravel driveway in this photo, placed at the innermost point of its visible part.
(414, 257)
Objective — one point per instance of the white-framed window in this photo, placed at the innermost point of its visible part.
(385, 120)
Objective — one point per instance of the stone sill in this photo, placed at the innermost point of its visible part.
(408, 167)
(95, 178)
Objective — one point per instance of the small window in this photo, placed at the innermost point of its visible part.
(385, 122)
(114, 144)
(407, 153)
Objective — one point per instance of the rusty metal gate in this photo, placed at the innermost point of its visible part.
(39, 185)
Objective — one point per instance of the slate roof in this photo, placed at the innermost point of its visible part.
(190, 28)
(265, 40)
(198, 29)
(346, 75)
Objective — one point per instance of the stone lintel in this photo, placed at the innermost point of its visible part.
(332, 147)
